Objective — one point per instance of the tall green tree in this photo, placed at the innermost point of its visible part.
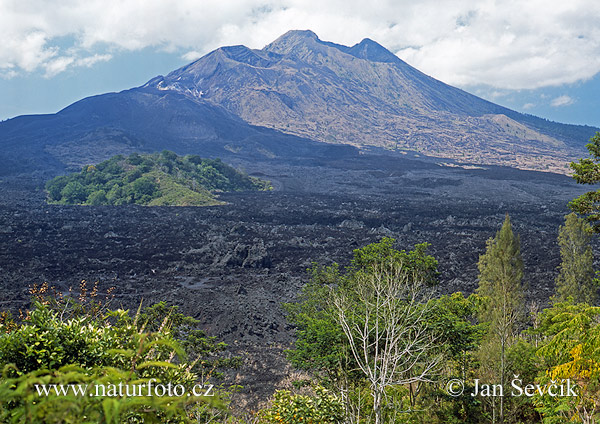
(500, 283)
(587, 171)
(576, 277)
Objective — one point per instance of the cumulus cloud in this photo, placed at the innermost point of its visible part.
(562, 101)
(506, 44)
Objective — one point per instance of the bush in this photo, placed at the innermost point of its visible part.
(82, 343)
(288, 408)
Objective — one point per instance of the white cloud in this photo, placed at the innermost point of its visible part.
(528, 106)
(507, 44)
(58, 65)
(191, 55)
(562, 101)
(90, 61)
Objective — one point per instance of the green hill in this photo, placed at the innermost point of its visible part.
(158, 179)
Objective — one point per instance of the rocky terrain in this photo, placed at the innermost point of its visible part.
(339, 131)
(364, 95)
(232, 265)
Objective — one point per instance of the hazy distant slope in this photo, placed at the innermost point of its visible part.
(139, 120)
(365, 95)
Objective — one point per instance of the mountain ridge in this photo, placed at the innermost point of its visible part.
(140, 120)
(299, 82)
(297, 97)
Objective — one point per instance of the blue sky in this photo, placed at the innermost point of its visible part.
(537, 57)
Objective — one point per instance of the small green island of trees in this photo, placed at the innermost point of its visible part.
(158, 179)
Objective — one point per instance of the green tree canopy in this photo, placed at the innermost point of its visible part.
(500, 283)
(64, 340)
(370, 326)
(587, 171)
(576, 276)
(158, 179)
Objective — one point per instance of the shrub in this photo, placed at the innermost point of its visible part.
(288, 408)
(82, 343)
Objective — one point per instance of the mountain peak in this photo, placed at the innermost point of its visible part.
(364, 95)
(371, 50)
(290, 40)
(298, 34)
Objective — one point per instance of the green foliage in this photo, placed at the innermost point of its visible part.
(415, 262)
(81, 342)
(453, 319)
(576, 277)
(157, 179)
(320, 342)
(74, 192)
(288, 408)
(23, 401)
(587, 171)
(500, 275)
(44, 341)
(334, 303)
(570, 351)
(97, 198)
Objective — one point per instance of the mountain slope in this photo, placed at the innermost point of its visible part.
(236, 102)
(140, 120)
(366, 96)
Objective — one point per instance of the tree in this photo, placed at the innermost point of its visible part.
(97, 198)
(571, 352)
(385, 290)
(74, 193)
(587, 171)
(383, 317)
(69, 340)
(500, 275)
(576, 277)
(47, 349)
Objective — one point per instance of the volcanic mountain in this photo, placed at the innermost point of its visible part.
(364, 95)
(297, 97)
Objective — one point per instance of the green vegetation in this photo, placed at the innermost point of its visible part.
(587, 171)
(288, 408)
(500, 276)
(576, 277)
(160, 179)
(374, 340)
(571, 351)
(374, 334)
(81, 344)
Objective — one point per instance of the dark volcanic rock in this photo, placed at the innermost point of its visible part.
(232, 266)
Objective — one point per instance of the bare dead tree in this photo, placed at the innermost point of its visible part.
(383, 317)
